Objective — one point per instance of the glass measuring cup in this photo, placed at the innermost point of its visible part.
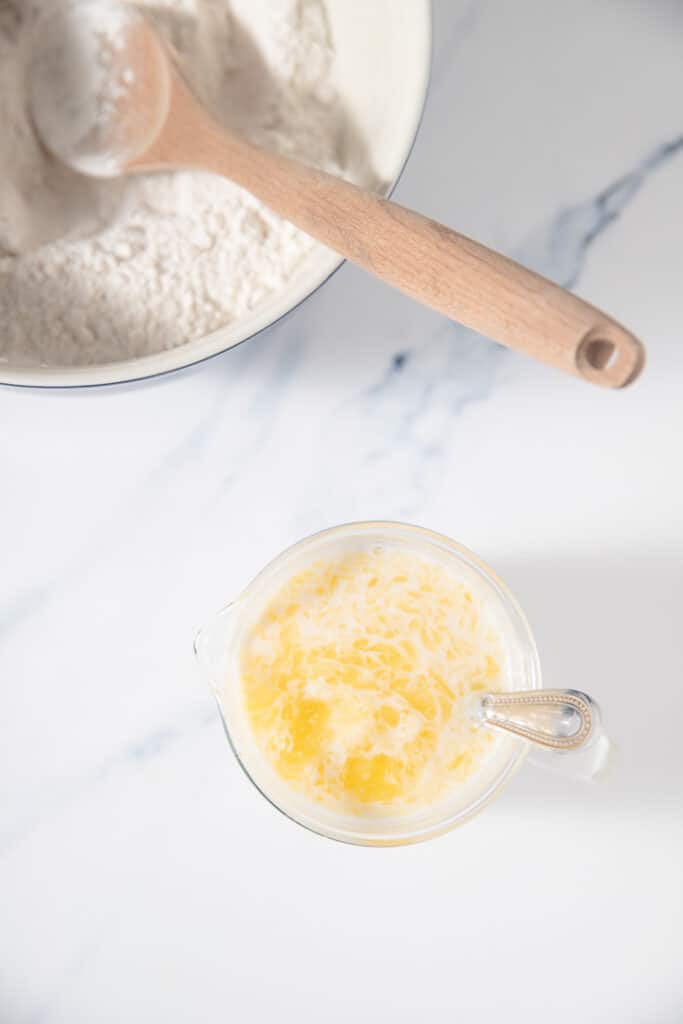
(563, 724)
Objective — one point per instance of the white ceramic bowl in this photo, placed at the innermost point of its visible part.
(381, 70)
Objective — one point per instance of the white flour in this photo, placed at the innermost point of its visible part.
(99, 271)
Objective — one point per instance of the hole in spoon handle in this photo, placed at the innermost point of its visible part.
(610, 355)
(554, 719)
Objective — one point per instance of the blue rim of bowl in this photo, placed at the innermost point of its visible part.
(229, 348)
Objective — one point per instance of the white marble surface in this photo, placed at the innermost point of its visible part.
(141, 878)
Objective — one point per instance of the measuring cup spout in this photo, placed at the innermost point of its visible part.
(211, 645)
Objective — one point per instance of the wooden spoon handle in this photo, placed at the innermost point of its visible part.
(435, 265)
(447, 271)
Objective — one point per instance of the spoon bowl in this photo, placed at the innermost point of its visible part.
(100, 85)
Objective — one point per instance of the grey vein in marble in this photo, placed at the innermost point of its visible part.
(264, 408)
(34, 600)
(261, 422)
(561, 250)
(449, 46)
(134, 755)
(431, 386)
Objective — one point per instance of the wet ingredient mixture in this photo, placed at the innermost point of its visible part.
(356, 679)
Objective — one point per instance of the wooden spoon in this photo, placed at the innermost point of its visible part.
(142, 116)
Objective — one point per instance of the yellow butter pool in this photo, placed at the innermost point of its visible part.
(356, 679)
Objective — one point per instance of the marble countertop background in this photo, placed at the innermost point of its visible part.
(141, 877)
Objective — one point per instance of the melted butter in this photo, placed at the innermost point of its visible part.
(355, 679)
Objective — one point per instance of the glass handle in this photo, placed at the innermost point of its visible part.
(556, 722)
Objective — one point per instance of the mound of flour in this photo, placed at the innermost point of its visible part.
(100, 271)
